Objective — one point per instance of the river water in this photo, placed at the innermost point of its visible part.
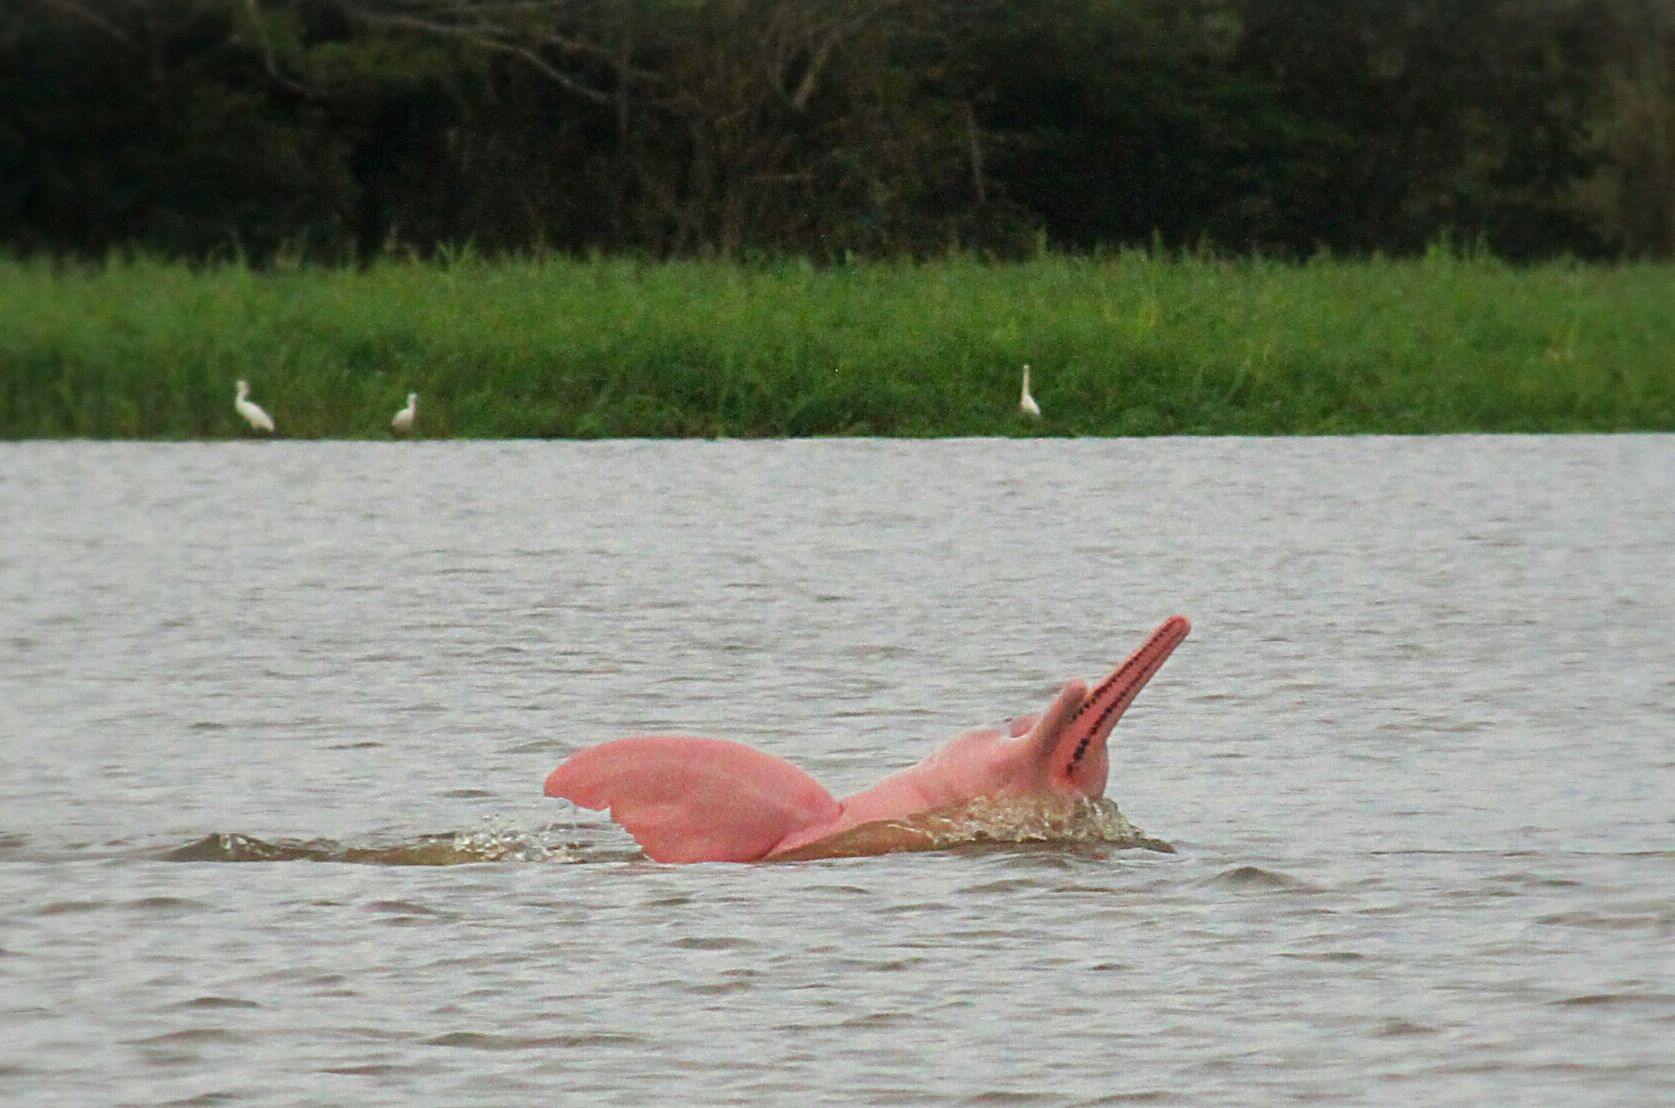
(1417, 762)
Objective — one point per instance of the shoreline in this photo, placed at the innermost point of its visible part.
(1122, 346)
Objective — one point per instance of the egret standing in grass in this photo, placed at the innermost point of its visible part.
(403, 421)
(244, 406)
(1026, 402)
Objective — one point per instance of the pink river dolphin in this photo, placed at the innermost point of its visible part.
(689, 799)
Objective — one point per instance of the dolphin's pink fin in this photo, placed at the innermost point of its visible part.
(688, 799)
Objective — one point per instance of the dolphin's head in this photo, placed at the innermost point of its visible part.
(1068, 742)
(1062, 751)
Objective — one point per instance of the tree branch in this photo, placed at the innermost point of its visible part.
(76, 10)
(489, 37)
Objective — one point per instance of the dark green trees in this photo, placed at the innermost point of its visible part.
(337, 129)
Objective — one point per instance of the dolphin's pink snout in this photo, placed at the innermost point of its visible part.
(1078, 758)
(1173, 629)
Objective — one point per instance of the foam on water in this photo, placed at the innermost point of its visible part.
(1035, 819)
(490, 844)
(1070, 821)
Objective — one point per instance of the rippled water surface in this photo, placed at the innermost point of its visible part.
(1417, 761)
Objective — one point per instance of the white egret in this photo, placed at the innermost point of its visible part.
(259, 420)
(403, 421)
(1026, 402)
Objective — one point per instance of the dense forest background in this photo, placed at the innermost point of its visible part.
(339, 130)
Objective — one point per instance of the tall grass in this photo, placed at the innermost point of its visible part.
(1132, 344)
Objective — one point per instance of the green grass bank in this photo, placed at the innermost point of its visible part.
(1131, 344)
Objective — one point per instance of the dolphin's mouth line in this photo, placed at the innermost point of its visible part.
(1148, 657)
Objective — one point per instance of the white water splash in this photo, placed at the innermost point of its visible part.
(1033, 819)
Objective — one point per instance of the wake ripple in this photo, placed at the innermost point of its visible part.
(1066, 821)
(455, 848)
(987, 821)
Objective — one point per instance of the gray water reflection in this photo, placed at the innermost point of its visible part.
(1417, 760)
